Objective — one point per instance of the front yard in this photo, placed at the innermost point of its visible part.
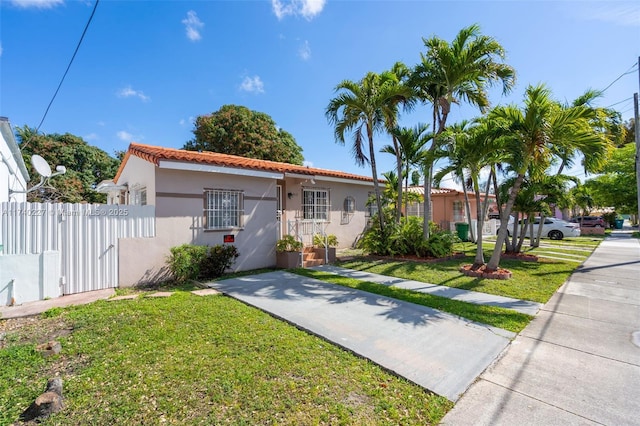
(188, 359)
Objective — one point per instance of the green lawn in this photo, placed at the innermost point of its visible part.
(201, 360)
(535, 281)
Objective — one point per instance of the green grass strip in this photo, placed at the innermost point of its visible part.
(498, 317)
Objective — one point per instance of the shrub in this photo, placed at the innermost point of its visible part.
(318, 240)
(288, 243)
(190, 262)
(407, 238)
(218, 259)
(440, 244)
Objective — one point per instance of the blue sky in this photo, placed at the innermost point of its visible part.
(146, 69)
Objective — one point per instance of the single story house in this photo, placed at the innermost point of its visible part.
(13, 172)
(448, 206)
(208, 198)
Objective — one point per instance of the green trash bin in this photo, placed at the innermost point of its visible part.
(462, 229)
(619, 223)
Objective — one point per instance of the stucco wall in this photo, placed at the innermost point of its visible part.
(10, 175)
(179, 201)
(139, 173)
(346, 227)
(29, 277)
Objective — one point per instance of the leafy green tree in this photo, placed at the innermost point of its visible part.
(363, 109)
(449, 73)
(401, 73)
(410, 143)
(86, 166)
(616, 187)
(531, 134)
(237, 130)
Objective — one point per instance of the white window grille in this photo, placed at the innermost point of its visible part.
(458, 211)
(223, 209)
(140, 197)
(349, 205)
(372, 206)
(315, 204)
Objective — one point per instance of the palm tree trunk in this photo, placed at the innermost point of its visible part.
(374, 172)
(479, 260)
(427, 201)
(467, 207)
(494, 262)
(399, 169)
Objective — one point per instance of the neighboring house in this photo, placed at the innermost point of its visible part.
(447, 206)
(13, 172)
(208, 198)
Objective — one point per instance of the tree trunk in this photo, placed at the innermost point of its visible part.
(494, 262)
(479, 260)
(467, 206)
(374, 172)
(427, 201)
(399, 170)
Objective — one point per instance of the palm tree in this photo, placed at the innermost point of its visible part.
(364, 108)
(410, 142)
(531, 133)
(460, 71)
(400, 72)
(471, 148)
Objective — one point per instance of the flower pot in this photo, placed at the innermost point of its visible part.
(288, 259)
(320, 252)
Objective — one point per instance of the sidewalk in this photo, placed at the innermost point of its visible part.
(578, 361)
(477, 298)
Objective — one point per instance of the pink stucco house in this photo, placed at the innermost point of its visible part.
(447, 206)
(209, 198)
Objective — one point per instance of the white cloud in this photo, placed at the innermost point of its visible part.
(307, 163)
(305, 51)
(308, 9)
(0, 49)
(622, 13)
(125, 136)
(127, 92)
(193, 25)
(252, 85)
(91, 137)
(186, 122)
(37, 4)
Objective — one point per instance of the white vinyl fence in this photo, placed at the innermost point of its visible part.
(85, 235)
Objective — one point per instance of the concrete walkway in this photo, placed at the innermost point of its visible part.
(438, 351)
(40, 306)
(523, 306)
(578, 361)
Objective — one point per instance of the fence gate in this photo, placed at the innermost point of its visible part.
(86, 235)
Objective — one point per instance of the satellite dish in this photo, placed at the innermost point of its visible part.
(41, 166)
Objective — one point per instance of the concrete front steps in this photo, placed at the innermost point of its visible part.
(312, 257)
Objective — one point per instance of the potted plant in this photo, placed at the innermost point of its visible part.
(325, 245)
(288, 252)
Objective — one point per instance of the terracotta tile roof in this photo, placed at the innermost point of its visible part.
(434, 191)
(154, 154)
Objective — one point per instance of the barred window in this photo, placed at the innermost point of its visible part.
(315, 204)
(223, 209)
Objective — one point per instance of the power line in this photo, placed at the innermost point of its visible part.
(86, 27)
(617, 103)
(629, 71)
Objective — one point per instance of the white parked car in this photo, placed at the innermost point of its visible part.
(553, 228)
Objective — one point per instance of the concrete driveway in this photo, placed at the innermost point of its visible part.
(438, 351)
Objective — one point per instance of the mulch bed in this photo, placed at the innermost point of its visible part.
(520, 256)
(413, 258)
(499, 274)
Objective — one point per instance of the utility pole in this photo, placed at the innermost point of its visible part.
(637, 128)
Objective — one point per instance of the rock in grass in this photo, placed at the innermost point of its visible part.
(48, 403)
